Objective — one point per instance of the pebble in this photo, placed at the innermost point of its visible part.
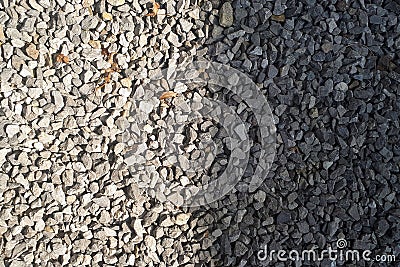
(44, 122)
(272, 71)
(174, 39)
(2, 36)
(194, 13)
(17, 43)
(45, 138)
(26, 71)
(182, 219)
(226, 15)
(260, 196)
(327, 47)
(32, 51)
(35, 92)
(186, 25)
(257, 51)
(59, 195)
(279, 18)
(374, 19)
(12, 130)
(107, 16)
(23, 159)
(3, 153)
(139, 230)
(116, 2)
(36, 6)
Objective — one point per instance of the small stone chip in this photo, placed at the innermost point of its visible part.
(59, 195)
(326, 47)
(137, 226)
(116, 2)
(279, 18)
(26, 71)
(107, 16)
(95, 44)
(186, 25)
(45, 138)
(2, 37)
(3, 153)
(12, 130)
(127, 82)
(182, 219)
(71, 199)
(226, 15)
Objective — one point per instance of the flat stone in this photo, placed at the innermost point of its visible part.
(102, 201)
(195, 13)
(145, 106)
(283, 217)
(342, 86)
(127, 82)
(151, 243)
(29, 25)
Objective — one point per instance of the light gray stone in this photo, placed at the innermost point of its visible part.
(226, 15)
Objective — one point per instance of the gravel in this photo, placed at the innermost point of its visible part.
(69, 127)
(226, 17)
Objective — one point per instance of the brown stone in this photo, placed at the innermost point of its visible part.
(32, 51)
(279, 18)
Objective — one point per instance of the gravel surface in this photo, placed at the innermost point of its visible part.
(72, 73)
